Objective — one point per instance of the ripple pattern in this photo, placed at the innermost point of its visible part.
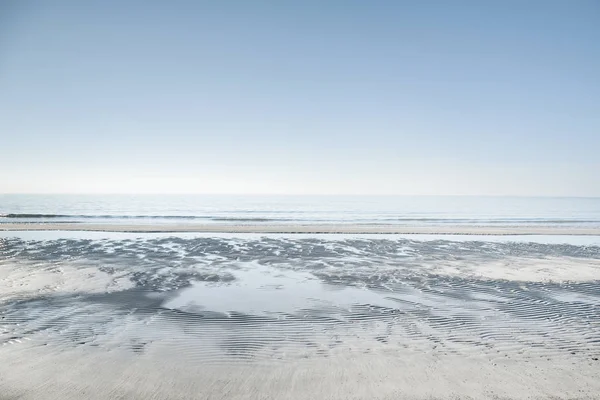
(276, 300)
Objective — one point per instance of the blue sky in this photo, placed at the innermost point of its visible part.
(300, 97)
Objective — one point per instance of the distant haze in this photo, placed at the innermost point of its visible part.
(300, 97)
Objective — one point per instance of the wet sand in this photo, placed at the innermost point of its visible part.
(303, 228)
(298, 318)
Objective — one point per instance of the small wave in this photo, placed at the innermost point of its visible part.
(234, 219)
(175, 217)
(108, 216)
(34, 216)
(304, 218)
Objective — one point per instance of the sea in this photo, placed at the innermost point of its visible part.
(399, 210)
(298, 316)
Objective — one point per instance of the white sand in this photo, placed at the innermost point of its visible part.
(163, 373)
(547, 269)
(307, 228)
(27, 280)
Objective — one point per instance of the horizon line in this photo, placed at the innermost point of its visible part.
(286, 194)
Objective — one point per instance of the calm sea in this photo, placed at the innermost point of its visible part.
(406, 210)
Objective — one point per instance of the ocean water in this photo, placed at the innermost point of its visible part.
(407, 210)
(299, 316)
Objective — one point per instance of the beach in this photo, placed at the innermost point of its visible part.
(177, 297)
(371, 374)
(298, 316)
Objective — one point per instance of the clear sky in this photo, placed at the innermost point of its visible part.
(300, 97)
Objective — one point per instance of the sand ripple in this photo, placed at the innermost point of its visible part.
(281, 301)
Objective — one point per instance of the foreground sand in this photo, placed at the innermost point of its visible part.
(300, 228)
(360, 374)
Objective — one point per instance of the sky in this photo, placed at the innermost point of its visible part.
(300, 97)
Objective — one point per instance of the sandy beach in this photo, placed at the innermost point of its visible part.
(303, 228)
(297, 317)
(363, 373)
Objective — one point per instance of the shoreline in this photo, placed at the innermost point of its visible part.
(303, 228)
